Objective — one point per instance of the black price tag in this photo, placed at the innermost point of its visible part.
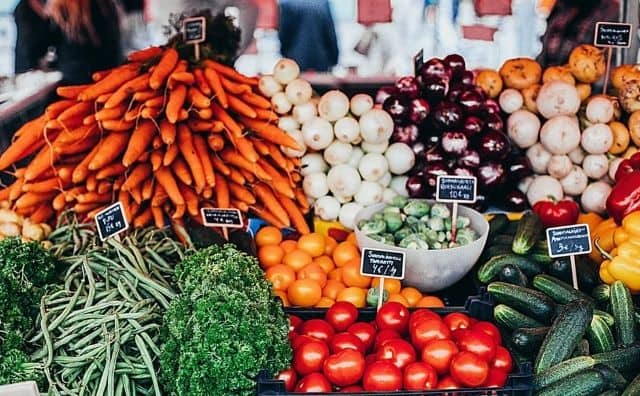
(456, 189)
(111, 221)
(382, 263)
(418, 62)
(612, 34)
(217, 217)
(569, 240)
(194, 30)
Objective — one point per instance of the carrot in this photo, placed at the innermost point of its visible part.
(167, 132)
(56, 108)
(144, 55)
(200, 125)
(159, 195)
(239, 161)
(137, 176)
(242, 193)
(203, 153)
(86, 207)
(140, 140)
(125, 199)
(147, 189)
(222, 192)
(118, 182)
(270, 132)
(183, 77)
(230, 72)
(188, 151)
(256, 100)
(206, 114)
(234, 88)
(92, 213)
(267, 115)
(190, 198)
(156, 101)
(92, 182)
(201, 82)
(99, 75)
(278, 158)
(156, 143)
(158, 217)
(180, 169)
(44, 186)
(108, 150)
(156, 159)
(28, 136)
(136, 194)
(296, 216)
(207, 193)
(103, 98)
(261, 147)
(165, 66)
(219, 165)
(216, 86)
(270, 201)
(104, 187)
(15, 190)
(110, 83)
(134, 208)
(215, 142)
(246, 149)
(240, 205)
(236, 176)
(168, 183)
(301, 199)
(70, 123)
(143, 219)
(117, 125)
(4, 193)
(241, 108)
(110, 170)
(296, 177)
(183, 115)
(278, 182)
(121, 94)
(268, 217)
(93, 197)
(59, 202)
(145, 95)
(89, 120)
(42, 214)
(144, 157)
(31, 198)
(247, 175)
(172, 152)
(179, 212)
(198, 98)
(40, 163)
(77, 147)
(71, 91)
(176, 100)
(134, 113)
(229, 122)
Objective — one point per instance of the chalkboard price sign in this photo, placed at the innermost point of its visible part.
(613, 34)
(418, 62)
(382, 263)
(194, 30)
(111, 221)
(456, 189)
(569, 240)
(218, 217)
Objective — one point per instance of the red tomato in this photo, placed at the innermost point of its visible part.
(314, 382)
(469, 369)
(382, 376)
(502, 360)
(317, 328)
(299, 340)
(457, 320)
(479, 343)
(438, 354)
(384, 335)
(490, 329)
(428, 329)
(497, 378)
(346, 340)
(447, 383)
(289, 377)
(420, 314)
(365, 332)
(393, 316)
(294, 322)
(371, 358)
(310, 356)
(419, 376)
(344, 368)
(458, 334)
(351, 389)
(341, 315)
(398, 352)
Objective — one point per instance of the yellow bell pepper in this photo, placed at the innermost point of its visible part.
(631, 224)
(604, 234)
(604, 273)
(625, 266)
(623, 247)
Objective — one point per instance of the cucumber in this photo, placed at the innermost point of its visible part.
(539, 256)
(606, 316)
(613, 378)
(511, 319)
(542, 246)
(562, 370)
(564, 335)
(497, 224)
(502, 239)
(512, 274)
(588, 276)
(600, 336)
(491, 268)
(601, 293)
(558, 290)
(588, 382)
(496, 250)
(582, 349)
(528, 340)
(623, 359)
(527, 234)
(528, 301)
(622, 310)
(633, 389)
(511, 228)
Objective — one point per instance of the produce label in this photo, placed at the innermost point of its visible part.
(217, 217)
(382, 263)
(374, 11)
(418, 61)
(569, 240)
(456, 189)
(111, 221)
(612, 34)
(194, 30)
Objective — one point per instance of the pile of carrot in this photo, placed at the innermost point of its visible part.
(165, 138)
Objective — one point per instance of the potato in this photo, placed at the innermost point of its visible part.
(530, 94)
(558, 73)
(9, 216)
(9, 229)
(634, 127)
(624, 73)
(587, 63)
(46, 228)
(630, 151)
(584, 91)
(621, 137)
(520, 73)
(490, 82)
(46, 244)
(32, 231)
(629, 96)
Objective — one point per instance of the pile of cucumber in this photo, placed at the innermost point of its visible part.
(582, 342)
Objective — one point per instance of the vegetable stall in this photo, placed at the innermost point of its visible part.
(177, 227)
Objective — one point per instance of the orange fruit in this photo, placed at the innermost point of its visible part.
(390, 285)
(313, 243)
(297, 259)
(351, 275)
(283, 297)
(288, 245)
(397, 297)
(335, 274)
(270, 255)
(268, 235)
(344, 252)
(325, 262)
(280, 276)
(354, 295)
(412, 295)
(325, 302)
(352, 239)
(304, 293)
(329, 245)
(430, 302)
(314, 272)
(332, 288)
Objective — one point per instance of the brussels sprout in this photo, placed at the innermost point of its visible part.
(442, 236)
(411, 221)
(416, 208)
(377, 238)
(436, 245)
(464, 239)
(393, 221)
(377, 216)
(447, 235)
(440, 210)
(389, 239)
(373, 294)
(436, 223)
(431, 236)
(413, 241)
(370, 227)
(463, 222)
(467, 233)
(425, 218)
(391, 209)
(447, 223)
(399, 201)
(419, 227)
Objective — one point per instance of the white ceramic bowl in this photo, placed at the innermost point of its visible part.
(432, 270)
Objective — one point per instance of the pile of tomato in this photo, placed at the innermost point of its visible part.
(399, 350)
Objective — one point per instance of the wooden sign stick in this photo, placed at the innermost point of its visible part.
(380, 294)
(454, 220)
(607, 70)
(574, 272)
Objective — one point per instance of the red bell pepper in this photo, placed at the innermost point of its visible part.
(628, 166)
(625, 195)
(557, 213)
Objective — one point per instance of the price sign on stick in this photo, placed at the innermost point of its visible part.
(382, 264)
(111, 221)
(456, 189)
(194, 32)
(611, 35)
(569, 241)
(219, 217)
(418, 61)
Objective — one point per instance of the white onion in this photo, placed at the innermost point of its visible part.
(333, 105)
(385, 180)
(315, 185)
(327, 208)
(577, 155)
(348, 214)
(286, 70)
(338, 153)
(559, 166)
(599, 110)
(312, 163)
(539, 158)
(343, 180)
(346, 129)
(594, 197)
(342, 199)
(373, 166)
(523, 127)
(288, 124)
(269, 86)
(543, 187)
(304, 112)
(510, 100)
(360, 104)
(370, 193)
(376, 126)
(557, 98)
(575, 182)
(560, 135)
(293, 153)
(595, 165)
(399, 185)
(298, 91)
(613, 167)
(400, 157)
(317, 133)
(597, 139)
(375, 147)
(356, 155)
(388, 195)
(524, 184)
(280, 103)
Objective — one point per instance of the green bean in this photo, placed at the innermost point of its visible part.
(46, 334)
(105, 373)
(157, 259)
(112, 369)
(119, 388)
(92, 283)
(126, 385)
(67, 309)
(87, 377)
(147, 359)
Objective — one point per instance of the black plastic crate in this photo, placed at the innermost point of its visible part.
(519, 383)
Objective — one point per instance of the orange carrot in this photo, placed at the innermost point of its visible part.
(71, 91)
(158, 217)
(179, 212)
(278, 158)
(56, 108)
(184, 77)
(216, 86)
(172, 152)
(207, 193)
(180, 169)
(219, 165)
(145, 95)
(296, 177)
(201, 82)
(183, 115)
(250, 177)
(156, 101)
(134, 113)
(117, 125)
(4, 193)
(229, 122)
(143, 219)
(167, 132)
(279, 182)
(108, 150)
(86, 207)
(215, 142)
(125, 199)
(156, 143)
(121, 94)
(230, 72)
(92, 182)
(28, 136)
(110, 170)
(239, 161)
(40, 163)
(59, 202)
(271, 202)
(72, 194)
(140, 140)
(190, 198)
(296, 216)
(94, 197)
(246, 149)
(144, 55)
(188, 151)
(199, 99)
(261, 147)
(242, 193)
(134, 208)
(137, 176)
(206, 114)
(156, 159)
(165, 66)
(110, 83)
(42, 214)
(301, 199)
(30, 199)
(15, 190)
(104, 187)
(240, 205)
(203, 154)
(176, 100)
(147, 189)
(267, 115)
(99, 75)
(159, 195)
(77, 147)
(136, 194)
(233, 87)
(168, 182)
(270, 132)
(200, 125)
(103, 98)
(256, 100)
(236, 176)
(241, 108)
(89, 120)
(44, 186)
(222, 192)
(144, 157)
(268, 217)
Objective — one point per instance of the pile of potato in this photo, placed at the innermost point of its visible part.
(14, 225)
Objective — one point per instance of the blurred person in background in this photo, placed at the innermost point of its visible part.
(307, 34)
(573, 22)
(32, 35)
